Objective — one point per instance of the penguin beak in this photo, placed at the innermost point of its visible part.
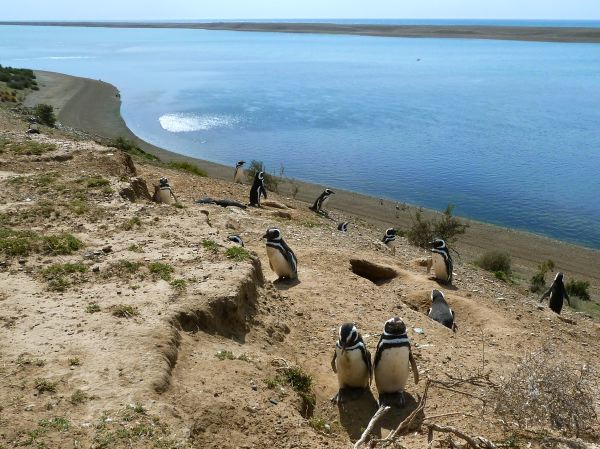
(343, 347)
(264, 237)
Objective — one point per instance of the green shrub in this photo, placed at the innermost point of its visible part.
(61, 244)
(96, 181)
(124, 311)
(210, 245)
(579, 289)
(538, 280)
(161, 270)
(495, 261)
(187, 167)
(422, 231)
(45, 114)
(237, 253)
(92, 308)
(129, 147)
(43, 385)
(59, 269)
(178, 284)
(271, 182)
(22, 243)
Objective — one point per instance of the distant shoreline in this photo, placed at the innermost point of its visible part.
(72, 96)
(513, 33)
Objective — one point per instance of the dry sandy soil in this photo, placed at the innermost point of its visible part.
(73, 374)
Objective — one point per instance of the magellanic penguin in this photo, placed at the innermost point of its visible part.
(441, 261)
(321, 201)
(351, 361)
(389, 239)
(281, 257)
(440, 311)
(163, 193)
(343, 226)
(558, 293)
(258, 189)
(392, 360)
(238, 175)
(236, 239)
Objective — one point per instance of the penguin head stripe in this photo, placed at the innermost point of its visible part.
(391, 232)
(438, 244)
(348, 335)
(236, 238)
(164, 182)
(329, 192)
(437, 295)
(260, 175)
(272, 234)
(240, 163)
(559, 276)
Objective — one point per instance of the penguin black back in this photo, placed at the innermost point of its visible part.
(558, 293)
(440, 311)
(258, 189)
(389, 236)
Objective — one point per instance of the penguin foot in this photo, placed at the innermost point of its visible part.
(392, 399)
(336, 399)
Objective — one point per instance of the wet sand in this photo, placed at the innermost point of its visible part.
(514, 33)
(73, 97)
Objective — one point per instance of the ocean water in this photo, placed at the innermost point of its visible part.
(509, 132)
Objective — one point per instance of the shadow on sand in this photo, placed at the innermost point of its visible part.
(285, 284)
(355, 415)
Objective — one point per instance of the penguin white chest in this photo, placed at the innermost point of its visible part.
(352, 371)
(279, 263)
(439, 266)
(324, 202)
(239, 175)
(165, 196)
(391, 372)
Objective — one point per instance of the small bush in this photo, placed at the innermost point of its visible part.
(579, 289)
(22, 243)
(61, 244)
(423, 231)
(126, 266)
(301, 383)
(45, 114)
(96, 181)
(124, 311)
(92, 308)
(78, 397)
(178, 285)
(43, 385)
(60, 424)
(237, 253)
(210, 245)
(57, 274)
(161, 270)
(129, 147)
(225, 355)
(495, 261)
(132, 223)
(74, 361)
(271, 182)
(187, 167)
(135, 248)
(543, 391)
(538, 280)
(28, 148)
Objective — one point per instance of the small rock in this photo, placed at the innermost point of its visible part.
(418, 330)
(107, 249)
(273, 401)
(96, 269)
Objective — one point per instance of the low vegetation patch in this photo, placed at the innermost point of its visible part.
(22, 243)
(578, 288)
(237, 253)
(28, 147)
(498, 263)
(61, 275)
(23, 361)
(178, 285)
(210, 245)
(44, 113)
(78, 397)
(187, 167)
(228, 355)
(422, 231)
(60, 424)
(538, 280)
(544, 391)
(161, 270)
(300, 382)
(133, 222)
(129, 147)
(124, 311)
(95, 182)
(44, 385)
(18, 79)
(92, 308)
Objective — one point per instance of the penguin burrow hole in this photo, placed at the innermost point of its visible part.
(376, 273)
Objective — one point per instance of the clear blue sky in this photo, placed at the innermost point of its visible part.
(253, 9)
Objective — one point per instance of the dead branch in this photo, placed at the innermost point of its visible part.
(464, 393)
(410, 418)
(376, 417)
(449, 414)
(474, 442)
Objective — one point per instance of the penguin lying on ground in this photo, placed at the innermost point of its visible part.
(258, 189)
(236, 239)
(321, 201)
(441, 261)
(558, 293)
(238, 175)
(351, 361)
(389, 239)
(392, 361)
(163, 193)
(440, 311)
(281, 257)
(343, 226)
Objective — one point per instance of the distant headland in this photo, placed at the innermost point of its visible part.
(514, 33)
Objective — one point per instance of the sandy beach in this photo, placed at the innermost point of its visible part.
(72, 97)
(514, 33)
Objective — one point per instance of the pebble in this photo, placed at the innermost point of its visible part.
(273, 401)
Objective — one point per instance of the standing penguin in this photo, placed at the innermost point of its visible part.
(163, 193)
(441, 261)
(558, 293)
(282, 259)
(238, 175)
(351, 361)
(389, 239)
(258, 189)
(343, 226)
(440, 311)
(392, 359)
(321, 201)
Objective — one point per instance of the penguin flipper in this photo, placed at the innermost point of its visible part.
(545, 295)
(413, 364)
(333, 366)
